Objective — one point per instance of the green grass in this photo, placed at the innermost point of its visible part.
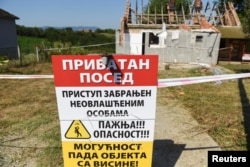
(29, 123)
(218, 108)
(109, 35)
(31, 42)
(27, 66)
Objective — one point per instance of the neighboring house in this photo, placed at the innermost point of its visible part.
(235, 43)
(185, 36)
(8, 35)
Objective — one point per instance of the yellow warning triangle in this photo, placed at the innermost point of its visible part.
(77, 131)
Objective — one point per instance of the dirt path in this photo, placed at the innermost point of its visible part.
(179, 141)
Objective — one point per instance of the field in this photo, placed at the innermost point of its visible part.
(221, 109)
(29, 124)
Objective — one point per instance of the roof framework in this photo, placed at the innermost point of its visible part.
(190, 14)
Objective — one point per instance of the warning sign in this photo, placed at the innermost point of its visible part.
(106, 109)
(108, 130)
(77, 131)
(107, 154)
(105, 103)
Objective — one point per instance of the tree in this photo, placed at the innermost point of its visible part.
(157, 4)
(243, 10)
(239, 5)
(246, 17)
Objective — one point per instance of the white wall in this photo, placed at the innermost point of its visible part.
(135, 43)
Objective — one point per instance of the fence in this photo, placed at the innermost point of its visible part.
(43, 54)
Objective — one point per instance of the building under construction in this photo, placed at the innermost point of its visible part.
(183, 33)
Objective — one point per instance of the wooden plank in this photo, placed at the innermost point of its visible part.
(235, 16)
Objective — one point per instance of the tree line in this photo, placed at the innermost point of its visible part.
(67, 34)
(66, 40)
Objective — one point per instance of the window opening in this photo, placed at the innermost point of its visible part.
(153, 40)
(199, 38)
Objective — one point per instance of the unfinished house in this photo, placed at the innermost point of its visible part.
(187, 33)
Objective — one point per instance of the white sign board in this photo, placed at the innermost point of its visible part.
(106, 111)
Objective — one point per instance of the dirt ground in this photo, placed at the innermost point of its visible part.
(179, 141)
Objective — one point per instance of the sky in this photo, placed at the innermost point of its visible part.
(57, 13)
